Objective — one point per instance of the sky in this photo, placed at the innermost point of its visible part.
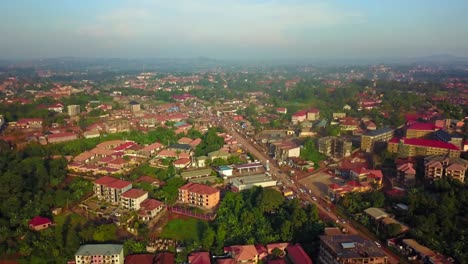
(233, 29)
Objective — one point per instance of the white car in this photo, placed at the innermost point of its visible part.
(314, 198)
(377, 244)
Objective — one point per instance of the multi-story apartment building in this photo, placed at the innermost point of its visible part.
(341, 249)
(132, 199)
(284, 150)
(73, 110)
(111, 189)
(420, 130)
(313, 114)
(199, 195)
(335, 147)
(369, 139)
(436, 167)
(411, 147)
(100, 254)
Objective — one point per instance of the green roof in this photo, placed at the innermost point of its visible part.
(99, 250)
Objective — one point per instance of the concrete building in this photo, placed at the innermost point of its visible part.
(341, 249)
(110, 189)
(411, 147)
(335, 147)
(73, 110)
(249, 181)
(132, 199)
(61, 137)
(100, 253)
(199, 195)
(437, 167)
(369, 139)
(134, 106)
(420, 130)
(284, 150)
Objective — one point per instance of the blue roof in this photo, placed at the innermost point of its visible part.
(223, 168)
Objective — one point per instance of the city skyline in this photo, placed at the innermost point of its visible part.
(260, 29)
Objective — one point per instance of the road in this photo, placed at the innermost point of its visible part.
(324, 209)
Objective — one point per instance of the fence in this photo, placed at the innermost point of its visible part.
(182, 211)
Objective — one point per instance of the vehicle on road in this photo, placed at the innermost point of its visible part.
(314, 198)
(377, 244)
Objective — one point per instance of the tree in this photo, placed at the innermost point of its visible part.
(269, 200)
(393, 230)
(107, 232)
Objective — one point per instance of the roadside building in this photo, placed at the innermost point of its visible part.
(249, 181)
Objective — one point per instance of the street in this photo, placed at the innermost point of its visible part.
(325, 210)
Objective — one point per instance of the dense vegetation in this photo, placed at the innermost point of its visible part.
(31, 184)
(437, 215)
(251, 217)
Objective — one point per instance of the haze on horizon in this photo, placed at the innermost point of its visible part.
(229, 29)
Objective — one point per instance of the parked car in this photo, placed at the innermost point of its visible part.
(377, 244)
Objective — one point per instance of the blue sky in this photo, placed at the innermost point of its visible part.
(233, 29)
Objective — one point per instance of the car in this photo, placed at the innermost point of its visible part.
(377, 244)
(314, 198)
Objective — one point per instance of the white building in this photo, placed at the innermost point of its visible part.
(100, 253)
(132, 199)
(249, 181)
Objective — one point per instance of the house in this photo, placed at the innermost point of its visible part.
(58, 107)
(192, 174)
(140, 259)
(284, 150)
(181, 163)
(299, 117)
(155, 182)
(282, 110)
(295, 254)
(243, 253)
(348, 123)
(29, 123)
(149, 208)
(164, 258)
(199, 258)
(132, 199)
(91, 134)
(199, 195)
(250, 181)
(180, 147)
(166, 153)
(313, 114)
(218, 154)
(151, 149)
(61, 137)
(100, 253)
(39, 223)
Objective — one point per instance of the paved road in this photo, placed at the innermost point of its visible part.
(324, 209)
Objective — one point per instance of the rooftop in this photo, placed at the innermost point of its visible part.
(134, 193)
(99, 250)
(379, 131)
(199, 188)
(352, 246)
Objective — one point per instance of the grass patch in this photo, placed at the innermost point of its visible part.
(182, 229)
(75, 219)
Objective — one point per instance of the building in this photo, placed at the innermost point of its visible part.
(284, 150)
(299, 117)
(422, 254)
(406, 174)
(149, 208)
(250, 181)
(100, 253)
(91, 134)
(134, 106)
(313, 114)
(29, 123)
(420, 130)
(39, 223)
(199, 258)
(437, 167)
(369, 139)
(199, 195)
(61, 137)
(243, 253)
(132, 199)
(73, 110)
(111, 189)
(341, 249)
(335, 147)
(297, 255)
(411, 147)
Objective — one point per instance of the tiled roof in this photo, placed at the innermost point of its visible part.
(61, 135)
(99, 250)
(139, 259)
(150, 204)
(297, 254)
(39, 220)
(199, 258)
(199, 188)
(134, 193)
(105, 180)
(429, 143)
(422, 126)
